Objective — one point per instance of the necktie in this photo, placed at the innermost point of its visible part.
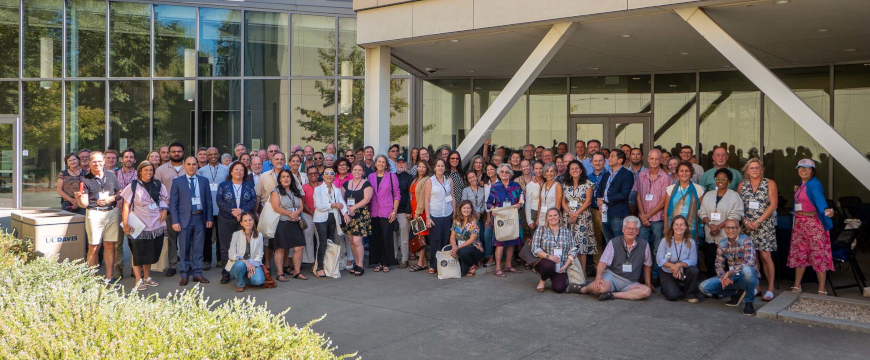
(193, 192)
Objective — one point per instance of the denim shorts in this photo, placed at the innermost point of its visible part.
(617, 283)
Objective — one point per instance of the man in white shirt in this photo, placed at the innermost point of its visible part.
(165, 173)
(215, 173)
(256, 169)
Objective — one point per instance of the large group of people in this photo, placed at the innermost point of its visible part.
(650, 220)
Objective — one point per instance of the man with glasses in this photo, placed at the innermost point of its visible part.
(720, 161)
(99, 197)
(529, 152)
(318, 161)
(392, 156)
(256, 170)
(308, 214)
(215, 173)
(270, 152)
(330, 149)
(562, 148)
(84, 158)
(738, 253)
(686, 154)
(620, 267)
(166, 173)
(238, 150)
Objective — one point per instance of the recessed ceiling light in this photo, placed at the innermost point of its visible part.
(782, 2)
(593, 68)
(672, 85)
(684, 53)
(635, 78)
(849, 50)
(471, 71)
(625, 35)
(823, 30)
(454, 40)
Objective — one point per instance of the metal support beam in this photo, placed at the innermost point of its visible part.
(779, 93)
(377, 99)
(515, 88)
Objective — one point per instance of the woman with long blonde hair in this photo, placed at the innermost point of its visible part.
(679, 259)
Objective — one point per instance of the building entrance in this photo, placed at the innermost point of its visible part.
(9, 160)
(612, 131)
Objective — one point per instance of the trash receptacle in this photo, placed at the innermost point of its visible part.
(53, 232)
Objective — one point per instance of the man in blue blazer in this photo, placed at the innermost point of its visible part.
(613, 192)
(189, 203)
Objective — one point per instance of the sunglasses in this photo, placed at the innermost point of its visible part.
(329, 173)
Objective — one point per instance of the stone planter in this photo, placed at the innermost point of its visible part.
(781, 308)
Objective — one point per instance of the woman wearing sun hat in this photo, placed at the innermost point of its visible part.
(810, 240)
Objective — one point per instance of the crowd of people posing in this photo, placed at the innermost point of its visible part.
(629, 226)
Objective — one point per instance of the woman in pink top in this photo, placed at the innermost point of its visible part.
(383, 207)
(343, 168)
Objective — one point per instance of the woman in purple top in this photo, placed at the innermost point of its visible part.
(505, 193)
(383, 206)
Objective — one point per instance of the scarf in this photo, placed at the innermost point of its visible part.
(690, 196)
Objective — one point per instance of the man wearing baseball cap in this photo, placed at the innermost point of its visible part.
(403, 214)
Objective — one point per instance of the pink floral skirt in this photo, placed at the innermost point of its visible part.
(810, 245)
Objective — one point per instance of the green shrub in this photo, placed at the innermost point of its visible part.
(12, 247)
(51, 310)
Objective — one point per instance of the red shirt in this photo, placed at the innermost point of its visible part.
(308, 198)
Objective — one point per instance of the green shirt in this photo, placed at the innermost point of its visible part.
(708, 182)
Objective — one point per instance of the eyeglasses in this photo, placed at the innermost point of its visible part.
(318, 158)
(732, 228)
(454, 158)
(328, 173)
(394, 150)
(721, 179)
(630, 229)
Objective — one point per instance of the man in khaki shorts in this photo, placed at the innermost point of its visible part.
(99, 194)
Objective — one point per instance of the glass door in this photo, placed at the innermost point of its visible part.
(9, 144)
(588, 129)
(612, 131)
(631, 131)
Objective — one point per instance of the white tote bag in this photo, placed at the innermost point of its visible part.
(576, 275)
(330, 260)
(507, 223)
(448, 267)
(268, 221)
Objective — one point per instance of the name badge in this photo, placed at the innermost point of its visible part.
(213, 187)
(755, 205)
(557, 252)
(459, 243)
(716, 216)
(682, 210)
(648, 197)
(544, 210)
(351, 201)
(798, 207)
(573, 203)
(103, 195)
(626, 268)
(448, 198)
(195, 201)
(152, 207)
(506, 203)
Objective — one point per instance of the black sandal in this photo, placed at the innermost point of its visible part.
(288, 272)
(417, 268)
(299, 276)
(358, 270)
(282, 278)
(385, 269)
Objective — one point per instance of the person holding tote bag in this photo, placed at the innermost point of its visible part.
(327, 197)
(557, 249)
(148, 201)
(505, 193)
(286, 201)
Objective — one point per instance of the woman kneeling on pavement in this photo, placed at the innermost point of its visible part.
(679, 259)
(246, 254)
(556, 247)
(465, 241)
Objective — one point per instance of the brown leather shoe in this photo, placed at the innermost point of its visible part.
(240, 289)
(183, 281)
(201, 280)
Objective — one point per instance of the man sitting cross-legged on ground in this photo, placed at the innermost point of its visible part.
(620, 267)
(739, 253)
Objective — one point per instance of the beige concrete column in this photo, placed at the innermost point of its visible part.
(377, 99)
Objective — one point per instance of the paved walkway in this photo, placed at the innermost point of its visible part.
(404, 315)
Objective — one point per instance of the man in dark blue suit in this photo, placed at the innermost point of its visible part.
(189, 201)
(613, 192)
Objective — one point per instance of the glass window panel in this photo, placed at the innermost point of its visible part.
(313, 117)
(174, 113)
(130, 117)
(445, 112)
(400, 112)
(675, 111)
(352, 58)
(622, 94)
(785, 142)
(7, 158)
(43, 21)
(86, 38)
(130, 39)
(730, 115)
(8, 97)
(852, 120)
(351, 113)
(265, 44)
(266, 110)
(313, 52)
(394, 70)
(85, 115)
(220, 118)
(220, 42)
(174, 41)
(548, 111)
(42, 139)
(511, 132)
(9, 21)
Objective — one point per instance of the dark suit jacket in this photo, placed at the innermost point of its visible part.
(617, 195)
(180, 205)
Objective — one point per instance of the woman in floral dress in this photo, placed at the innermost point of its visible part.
(758, 221)
(577, 192)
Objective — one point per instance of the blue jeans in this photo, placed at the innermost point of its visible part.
(653, 236)
(612, 228)
(240, 270)
(747, 280)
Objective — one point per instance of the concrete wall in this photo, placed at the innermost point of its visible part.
(392, 21)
